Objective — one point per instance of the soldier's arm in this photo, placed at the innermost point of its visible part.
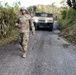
(17, 22)
(32, 25)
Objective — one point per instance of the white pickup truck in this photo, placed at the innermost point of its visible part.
(43, 20)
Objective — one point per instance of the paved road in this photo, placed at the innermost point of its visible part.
(48, 54)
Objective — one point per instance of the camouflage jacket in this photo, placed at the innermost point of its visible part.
(24, 21)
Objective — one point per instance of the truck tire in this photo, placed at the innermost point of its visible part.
(51, 27)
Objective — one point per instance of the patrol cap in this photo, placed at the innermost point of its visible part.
(23, 8)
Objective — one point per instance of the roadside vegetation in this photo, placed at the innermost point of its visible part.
(67, 24)
(7, 22)
(45, 8)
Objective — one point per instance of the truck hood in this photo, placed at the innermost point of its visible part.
(42, 18)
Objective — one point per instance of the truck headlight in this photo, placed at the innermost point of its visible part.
(46, 21)
(36, 20)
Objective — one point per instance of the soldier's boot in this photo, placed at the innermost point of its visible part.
(24, 55)
(24, 50)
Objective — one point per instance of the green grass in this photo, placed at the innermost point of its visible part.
(68, 29)
(4, 41)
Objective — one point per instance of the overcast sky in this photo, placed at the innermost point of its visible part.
(28, 3)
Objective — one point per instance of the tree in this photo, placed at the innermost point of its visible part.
(72, 3)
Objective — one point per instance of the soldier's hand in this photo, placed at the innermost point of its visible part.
(19, 26)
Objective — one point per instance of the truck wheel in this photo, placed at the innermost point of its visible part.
(51, 27)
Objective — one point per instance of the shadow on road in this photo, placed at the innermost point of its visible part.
(43, 29)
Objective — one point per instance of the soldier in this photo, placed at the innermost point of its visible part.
(23, 25)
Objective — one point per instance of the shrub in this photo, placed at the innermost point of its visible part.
(7, 21)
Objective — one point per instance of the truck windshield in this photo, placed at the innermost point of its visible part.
(43, 15)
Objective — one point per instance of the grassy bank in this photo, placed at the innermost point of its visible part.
(8, 15)
(7, 40)
(68, 29)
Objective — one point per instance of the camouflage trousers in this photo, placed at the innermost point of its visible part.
(23, 40)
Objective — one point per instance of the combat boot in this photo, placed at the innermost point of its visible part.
(24, 55)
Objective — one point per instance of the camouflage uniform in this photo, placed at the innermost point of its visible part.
(24, 31)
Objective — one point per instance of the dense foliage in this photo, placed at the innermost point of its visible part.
(67, 24)
(7, 20)
(45, 8)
